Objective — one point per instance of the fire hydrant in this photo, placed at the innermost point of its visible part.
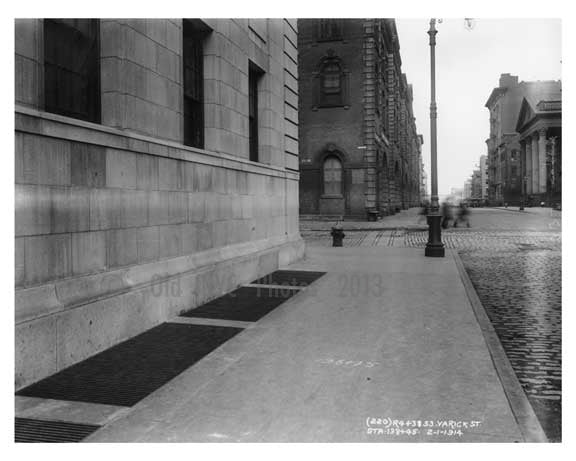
(337, 234)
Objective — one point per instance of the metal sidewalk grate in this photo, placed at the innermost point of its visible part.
(133, 369)
(248, 304)
(290, 278)
(34, 430)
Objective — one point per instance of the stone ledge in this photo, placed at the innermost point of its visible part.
(40, 301)
(57, 126)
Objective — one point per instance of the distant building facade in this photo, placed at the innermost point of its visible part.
(484, 177)
(424, 195)
(360, 154)
(540, 128)
(476, 184)
(505, 176)
(156, 168)
(456, 193)
(467, 193)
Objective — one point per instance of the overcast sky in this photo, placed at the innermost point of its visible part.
(468, 66)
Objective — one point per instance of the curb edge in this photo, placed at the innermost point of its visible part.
(527, 420)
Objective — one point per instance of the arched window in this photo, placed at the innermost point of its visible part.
(332, 176)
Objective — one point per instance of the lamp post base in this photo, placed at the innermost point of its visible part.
(434, 247)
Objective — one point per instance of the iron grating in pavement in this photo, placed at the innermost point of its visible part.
(290, 278)
(247, 304)
(40, 431)
(133, 369)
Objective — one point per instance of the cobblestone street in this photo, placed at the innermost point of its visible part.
(514, 262)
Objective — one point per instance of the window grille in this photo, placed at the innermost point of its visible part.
(329, 29)
(332, 176)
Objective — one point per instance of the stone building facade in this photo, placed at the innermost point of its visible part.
(156, 168)
(424, 196)
(360, 154)
(505, 180)
(476, 184)
(484, 177)
(540, 129)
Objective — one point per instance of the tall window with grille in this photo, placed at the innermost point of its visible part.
(332, 176)
(72, 68)
(254, 75)
(193, 58)
(331, 88)
(329, 29)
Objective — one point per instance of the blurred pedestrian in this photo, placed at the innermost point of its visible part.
(446, 214)
(462, 216)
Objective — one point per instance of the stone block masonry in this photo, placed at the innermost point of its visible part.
(91, 236)
(119, 226)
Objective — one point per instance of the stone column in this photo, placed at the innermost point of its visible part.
(542, 160)
(522, 169)
(529, 189)
(535, 175)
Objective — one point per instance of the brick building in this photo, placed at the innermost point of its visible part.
(360, 154)
(150, 155)
(503, 146)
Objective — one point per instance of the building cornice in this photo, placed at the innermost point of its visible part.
(494, 96)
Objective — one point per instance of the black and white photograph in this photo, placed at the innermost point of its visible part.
(322, 228)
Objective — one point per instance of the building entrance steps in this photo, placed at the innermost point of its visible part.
(385, 347)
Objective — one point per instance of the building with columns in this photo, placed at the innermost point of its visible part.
(360, 153)
(505, 173)
(156, 168)
(540, 128)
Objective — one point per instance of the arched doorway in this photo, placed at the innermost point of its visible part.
(332, 174)
(332, 199)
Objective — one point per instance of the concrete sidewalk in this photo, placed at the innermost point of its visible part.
(386, 341)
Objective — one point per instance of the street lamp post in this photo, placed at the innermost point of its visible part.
(522, 193)
(434, 247)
